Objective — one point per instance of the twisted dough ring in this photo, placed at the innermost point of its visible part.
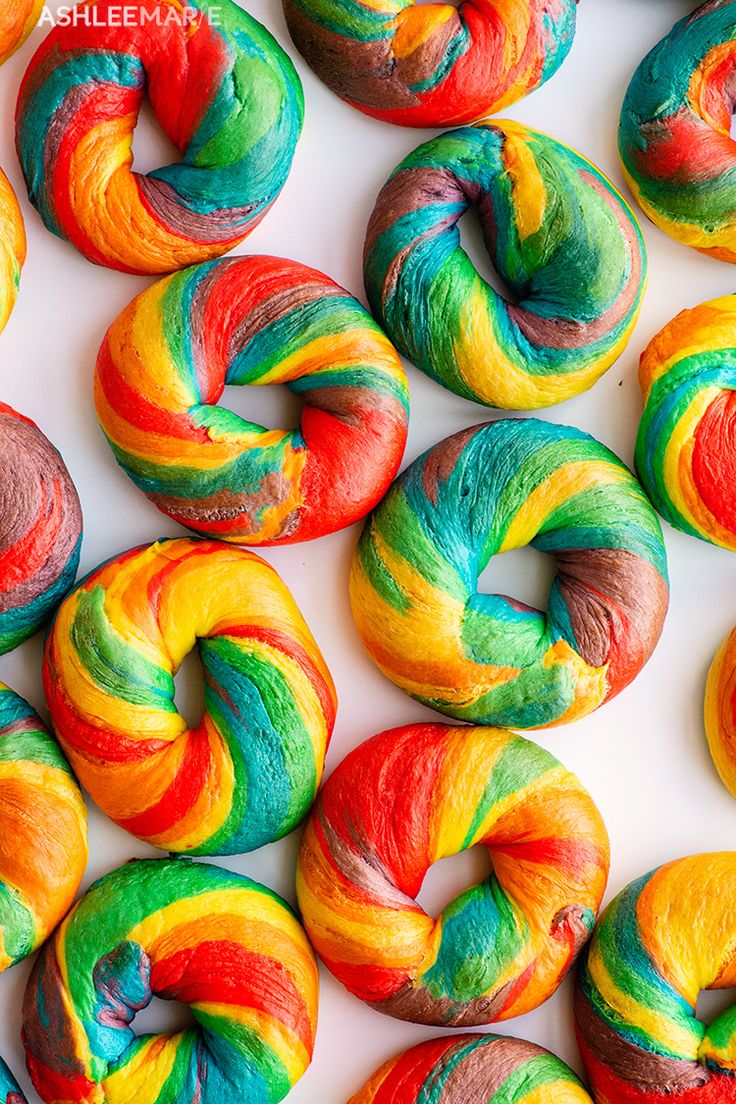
(674, 135)
(226, 946)
(9, 1088)
(685, 444)
(560, 236)
(164, 365)
(225, 94)
(247, 774)
(487, 658)
(43, 831)
(12, 248)
(473, 1069)
(666, 937)
(17, 20)
(720, 711)
(417, 794)
(432, 66)
(40, 528)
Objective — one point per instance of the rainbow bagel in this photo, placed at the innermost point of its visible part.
(12, 248)
(484, 657)
(17, 20)
(674, 135)
(9, 1088)
(666, 936)
(720, 711)
(226, 946)
(685, 454)
(417, 794)
(40, 529)
(224, 93)
(437, 65)
(248, 773)
(473, 1069)
(43, 832)
(558, 233)
(163, 367)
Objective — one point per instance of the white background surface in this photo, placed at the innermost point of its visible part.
(643, 756)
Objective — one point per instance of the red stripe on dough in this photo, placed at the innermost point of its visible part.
(223, 972)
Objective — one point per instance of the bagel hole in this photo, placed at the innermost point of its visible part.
(151, 148)
(524, 574)
(270, 406)
(163, 1017)
(712, 1003)
(189, 689)
(449, 877)
(474, 244)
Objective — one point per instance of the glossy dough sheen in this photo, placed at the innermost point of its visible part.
(17, 20)
(432, 65)
(9, 1089)
(229, 948)
(559, 235)
(486, 658)
(164, 365)
(223, 91)
(473, 1069)
(666, 937)
(686, 445)
(40, 528)
(720, 711)
(248, 773)
(43, 831)
(417, 794)
(675, 131)
(12, 248)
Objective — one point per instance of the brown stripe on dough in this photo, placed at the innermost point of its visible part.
(226, 505)
(416, 1004)
(217, 227)
(22, 725)
(482, 1071)
(31, 464)
(407, 191)
(422, 64)
(441, 461)
(644, 1068)
(351, 404)
(363, 869)
(592, 579)
(567, 333)
(274, 307)
(50, 1039)
(363, 72)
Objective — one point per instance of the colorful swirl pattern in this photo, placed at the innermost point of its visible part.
(164, 365)
(40, 528)
(248, 773)
(666, 937)
(436, 65)
(12, 248)
(675, 131)
(225, 94)
(686, 445)
(720, 711)
(558, 233)
(486, 658)
(43, 831)
(9, 1088)
(473, 1069)
(17, 20)
(417, 794)
(224, 945)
